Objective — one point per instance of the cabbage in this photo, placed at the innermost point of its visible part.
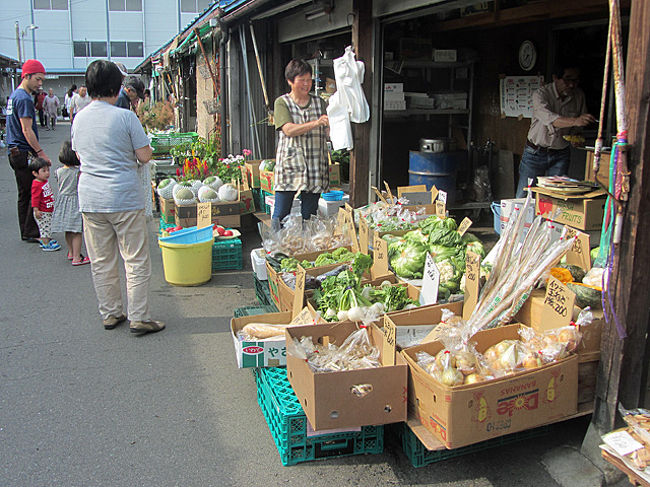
(442, 235)
(395, 247)
(435, 222)
(409, 262)
(228, 192)
(166, 188)
(207, 194)
(416, 236)
(214, 182)
(440, 252)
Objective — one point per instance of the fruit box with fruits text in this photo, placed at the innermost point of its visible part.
(584, 212)
(468, 414)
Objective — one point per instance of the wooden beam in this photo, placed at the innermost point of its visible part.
(623, 361)
(360, 156)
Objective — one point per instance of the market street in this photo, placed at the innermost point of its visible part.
(81, 406)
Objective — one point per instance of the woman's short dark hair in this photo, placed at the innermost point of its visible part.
(103, 78)
(296, 67)
(37, 163)
(67, 156)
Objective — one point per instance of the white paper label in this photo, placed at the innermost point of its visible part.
(442, 196)
(430, 282)
(622, 442)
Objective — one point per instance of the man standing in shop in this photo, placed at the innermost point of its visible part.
(558, 108)
(79, 101)
(22, 141)
(131, 93)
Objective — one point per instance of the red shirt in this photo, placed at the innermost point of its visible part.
(39, 100)
(42, 196)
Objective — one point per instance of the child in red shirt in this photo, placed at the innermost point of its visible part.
(43, 203)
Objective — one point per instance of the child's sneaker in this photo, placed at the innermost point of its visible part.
(51, 246)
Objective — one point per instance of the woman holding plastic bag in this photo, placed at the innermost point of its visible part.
(301, 157)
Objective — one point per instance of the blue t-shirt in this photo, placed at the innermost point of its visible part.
(105, 137)
(20, 105)
(123, 100)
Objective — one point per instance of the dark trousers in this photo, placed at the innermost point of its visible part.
(535, 162)
(284, 200)
(42, 118)
(18, 162)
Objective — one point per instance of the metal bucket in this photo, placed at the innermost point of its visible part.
(437, 145)
(439, 169)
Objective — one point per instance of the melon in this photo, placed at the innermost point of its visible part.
(166, 188)
(206, 193)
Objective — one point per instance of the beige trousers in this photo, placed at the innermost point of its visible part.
(106, 234)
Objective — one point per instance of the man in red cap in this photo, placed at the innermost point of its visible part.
(22, 142)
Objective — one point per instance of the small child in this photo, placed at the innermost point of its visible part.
(43, 202)
(67, 217)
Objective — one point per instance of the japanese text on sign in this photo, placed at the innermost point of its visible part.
(390, 334)
(203, 215)
(464, 226)
(558, 303)
(430, 282)
(472, 281)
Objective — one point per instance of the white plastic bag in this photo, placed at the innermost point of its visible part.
(349, 75)
(339, 120)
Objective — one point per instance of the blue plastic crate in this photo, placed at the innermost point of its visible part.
(227, 255)
(288, 424)
(419, 456)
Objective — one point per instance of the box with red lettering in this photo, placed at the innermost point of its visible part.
(468, 414)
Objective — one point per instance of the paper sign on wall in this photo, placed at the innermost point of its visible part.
(579, 253)
(299, 295)
(557, 310)
(380, 257)
(430, 282)
(464, 226)
(390, 338)
(203, 215)
(364, 235)
(472, 283)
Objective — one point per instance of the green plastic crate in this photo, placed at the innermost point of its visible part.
(263, 292)
(263, 205)
(162, 143)
(288, 424)
(164, 226)
(253, 310)
(227, 255)
(258, 199)
(419, 456)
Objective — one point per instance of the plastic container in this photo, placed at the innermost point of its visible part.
(189, 235)
(253, 310)
(334, 195)
(227, 255)
(288, 424)
(496, 211)
(186, 264)
(258, 263)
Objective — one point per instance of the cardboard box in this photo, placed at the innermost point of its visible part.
(469, 414)
(267, 181)
(508, 206)
(167, 210)
(530, 314)
(445, 55)
(253, 173)
(417, 323)
(331, 208)
(584, 212)
(390, 96)
(334, 174)
(273, 284)
(328, 398)
(603, 170)
(186, 215)
(393, 87)
(246, 202)
(286, 293)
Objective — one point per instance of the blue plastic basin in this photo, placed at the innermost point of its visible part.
(189, 235)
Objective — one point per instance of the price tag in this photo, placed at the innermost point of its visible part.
(472, 283)
(442, 196)
(348, 208)
(464, 226)
(430, 282)
(340, 221)
(390, 338)
(579, 254)
(434, 193)
(441, 209)
(557, 310)
(203, 215)
(352, 232)
(390, 193)
(303, 318)
(380, 257)
(299, 295)
(379, 195)
(364, 235)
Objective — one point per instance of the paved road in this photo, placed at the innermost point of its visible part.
(81, 406)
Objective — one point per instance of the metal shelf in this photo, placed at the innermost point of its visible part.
(423, 111)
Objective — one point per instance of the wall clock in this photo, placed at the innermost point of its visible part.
(527, 55)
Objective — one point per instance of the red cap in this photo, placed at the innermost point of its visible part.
(32, 66)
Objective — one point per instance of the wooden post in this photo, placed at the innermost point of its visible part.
(360, 156)
(622, 372)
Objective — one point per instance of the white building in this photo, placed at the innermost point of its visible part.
(66, 35)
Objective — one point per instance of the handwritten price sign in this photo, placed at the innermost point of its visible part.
(579, 252)
(390, 338)
(430, 282)
(558, 304)
(203, 215)
(472, 283)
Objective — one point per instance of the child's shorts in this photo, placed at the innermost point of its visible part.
(44, 224)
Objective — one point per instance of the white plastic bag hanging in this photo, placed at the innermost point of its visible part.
(339, 121)
(349, 75)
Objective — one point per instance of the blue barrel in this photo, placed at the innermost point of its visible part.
(436, 168)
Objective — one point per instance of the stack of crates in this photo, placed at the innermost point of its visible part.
(254, 310)
(263, 292)
(227, 255)
(288, 424)
(263, 205)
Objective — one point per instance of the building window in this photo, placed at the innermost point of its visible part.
(125, 5)
(194, 6)
(51, 4)
(89, 48)
(127, 49)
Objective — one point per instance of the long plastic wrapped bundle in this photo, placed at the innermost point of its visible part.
(356, 352)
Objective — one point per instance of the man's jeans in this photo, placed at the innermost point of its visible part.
(535, 162)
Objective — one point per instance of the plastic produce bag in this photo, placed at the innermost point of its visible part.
(339, 120)
(349, 75)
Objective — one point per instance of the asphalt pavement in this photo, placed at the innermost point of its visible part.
(81, 406)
